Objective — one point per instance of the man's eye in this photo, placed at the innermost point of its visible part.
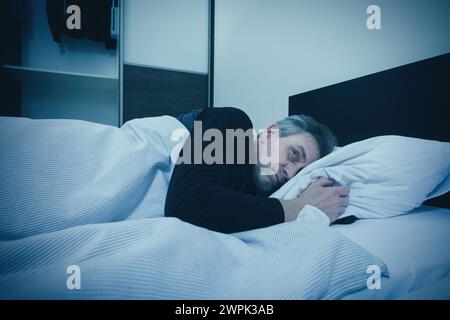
(294, 155)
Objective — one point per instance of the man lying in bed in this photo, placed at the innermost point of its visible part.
(234, 197)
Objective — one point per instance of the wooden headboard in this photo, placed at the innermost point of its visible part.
(412, 100)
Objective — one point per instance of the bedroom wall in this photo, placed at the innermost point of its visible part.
(267, 50)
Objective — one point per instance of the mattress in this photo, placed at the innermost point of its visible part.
(415, 248)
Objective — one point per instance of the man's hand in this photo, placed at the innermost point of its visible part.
(331, 200)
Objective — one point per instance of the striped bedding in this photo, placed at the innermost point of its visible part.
(74, 193)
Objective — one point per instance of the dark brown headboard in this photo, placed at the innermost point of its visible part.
(412, 100)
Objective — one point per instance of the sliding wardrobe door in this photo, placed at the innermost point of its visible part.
(166, 47)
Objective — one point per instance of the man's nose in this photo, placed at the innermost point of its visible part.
(291, 169)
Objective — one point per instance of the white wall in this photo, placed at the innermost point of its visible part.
(170, 34)
(267, 50)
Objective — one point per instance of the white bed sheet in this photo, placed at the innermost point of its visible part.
(415, 248)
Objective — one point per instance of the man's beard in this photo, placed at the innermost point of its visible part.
(264, 184)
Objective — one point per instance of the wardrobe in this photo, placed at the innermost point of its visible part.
(113, 61)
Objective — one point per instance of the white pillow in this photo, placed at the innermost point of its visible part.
(387, 175)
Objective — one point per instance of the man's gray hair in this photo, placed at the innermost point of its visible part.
(305, 124)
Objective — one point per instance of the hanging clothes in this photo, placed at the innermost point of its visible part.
(95, 20)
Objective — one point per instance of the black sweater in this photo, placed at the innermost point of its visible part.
(220, 197)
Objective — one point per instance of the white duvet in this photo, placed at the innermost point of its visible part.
(74, 193)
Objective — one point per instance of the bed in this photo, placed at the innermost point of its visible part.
(411, 100)
(81, 196)
(412, 247)
(83, 218)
